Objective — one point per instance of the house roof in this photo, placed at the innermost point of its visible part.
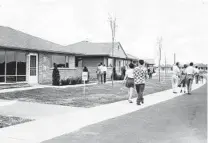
(200, 65)
(11, 38)
(129, 56)
(149, 61)
(94, 49)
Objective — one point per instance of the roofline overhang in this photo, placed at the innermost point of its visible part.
(35, 50)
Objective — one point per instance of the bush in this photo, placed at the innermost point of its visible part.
(55, 76)
(73, 81)
(78, 80)
(66, 81)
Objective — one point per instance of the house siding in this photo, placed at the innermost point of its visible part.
(91, 63)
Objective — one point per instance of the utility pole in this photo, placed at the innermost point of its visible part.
(165, 66)
(160, 47)
(113, 31)
(174, 58)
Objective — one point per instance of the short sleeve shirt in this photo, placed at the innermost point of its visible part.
(130, 73)
(140, 75)
(190, 70)
(176, 70)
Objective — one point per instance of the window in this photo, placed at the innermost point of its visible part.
(110, 62)
(2, 66)
(78, 62)
(12, 66)
(21, 63)
(21, 66)
(61, 61)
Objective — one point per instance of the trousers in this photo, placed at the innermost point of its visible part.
(189, 83)
(140, 91)
(174, 83)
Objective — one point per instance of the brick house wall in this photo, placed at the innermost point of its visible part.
(46, 69)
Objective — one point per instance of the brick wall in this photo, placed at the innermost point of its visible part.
(45, 69)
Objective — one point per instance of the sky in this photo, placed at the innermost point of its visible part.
(182, 24)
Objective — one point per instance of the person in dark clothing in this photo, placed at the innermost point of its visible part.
(104, 70)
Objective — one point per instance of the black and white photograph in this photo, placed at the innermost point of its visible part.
(103, 71)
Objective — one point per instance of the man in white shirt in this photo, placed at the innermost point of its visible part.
(175, 77)
(190, 72)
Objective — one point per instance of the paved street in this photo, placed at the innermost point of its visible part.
(180, 120)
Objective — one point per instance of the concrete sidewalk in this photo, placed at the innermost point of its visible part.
(53, 126)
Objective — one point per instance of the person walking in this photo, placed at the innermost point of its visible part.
(197, 75)
(151, 72)
(140, 76)
(101, 73)
(98, 72)
(201, 76)
(183, 79)
(129, 80)
(190, 73)
(104, 70)
(175, 76)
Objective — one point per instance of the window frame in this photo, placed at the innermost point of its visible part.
(65, 62)
(16, 75)
(67, 58)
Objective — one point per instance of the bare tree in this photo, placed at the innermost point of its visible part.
(113, 31)
(160, 47)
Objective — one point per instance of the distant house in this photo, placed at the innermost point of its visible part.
(132, 59)
(149, 62)
(95, 53)
(26, 58)
(201, 65)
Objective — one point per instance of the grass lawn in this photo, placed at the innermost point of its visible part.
(95, 94)
(6, 121)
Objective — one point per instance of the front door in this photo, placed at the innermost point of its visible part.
(33, 68)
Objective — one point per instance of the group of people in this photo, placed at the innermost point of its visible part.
(135, 77)
(184, 77)
(101, 73)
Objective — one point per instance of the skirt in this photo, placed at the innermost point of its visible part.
(130, 83)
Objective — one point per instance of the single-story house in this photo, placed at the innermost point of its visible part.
(132, 59)
(167, 67)
(149, 62)
(95, 53)
(201, 65)
(26, 58)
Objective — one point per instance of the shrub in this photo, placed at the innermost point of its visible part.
(73, 81)
(55, 76)
(78, 80)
